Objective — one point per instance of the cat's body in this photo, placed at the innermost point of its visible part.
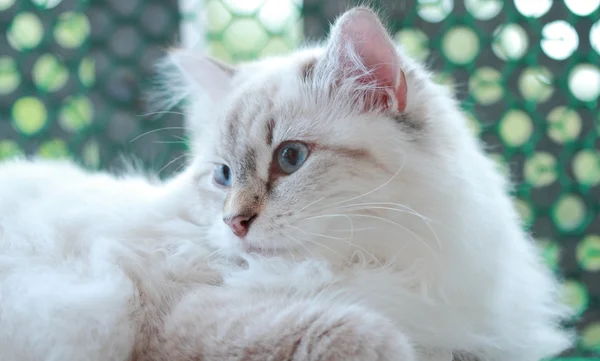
(346, 154)
(350, 152)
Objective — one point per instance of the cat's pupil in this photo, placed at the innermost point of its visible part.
(222, 175)
(226, 173)
(291, 155)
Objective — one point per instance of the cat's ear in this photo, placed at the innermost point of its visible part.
(208, 74)
(364, 52)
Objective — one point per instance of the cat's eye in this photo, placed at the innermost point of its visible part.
(222, 175)
(291, 156)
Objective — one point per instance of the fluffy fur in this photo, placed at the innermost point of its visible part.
(275, 322)
(89, 260)
(397, 193)
(97, 267)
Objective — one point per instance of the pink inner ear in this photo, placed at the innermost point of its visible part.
(370, 41)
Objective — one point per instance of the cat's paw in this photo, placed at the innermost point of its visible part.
(350, 334)
(236, 326)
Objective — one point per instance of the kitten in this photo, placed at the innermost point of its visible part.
(349, 152)
(346, 154)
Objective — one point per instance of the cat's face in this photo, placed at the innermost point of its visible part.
(287, 163)
(327, 151)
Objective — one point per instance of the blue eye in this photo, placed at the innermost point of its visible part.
(222, 175)
(291, 156)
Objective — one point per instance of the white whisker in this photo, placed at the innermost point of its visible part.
(377, 188)
(352, 230)
(303, 208)
(400, 226)
(161, 112)
(345, 239)
(324, 246)
(211, 255)
(315, 234)
(157, 130)
(364, 250)
(412, 212)
(300, 243)
(171, 162)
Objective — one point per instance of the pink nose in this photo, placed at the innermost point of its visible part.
(239, 224)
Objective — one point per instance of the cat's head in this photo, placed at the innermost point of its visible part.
(343, 147)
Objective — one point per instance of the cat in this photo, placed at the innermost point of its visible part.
(349, 152)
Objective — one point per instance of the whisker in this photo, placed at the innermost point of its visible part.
(171, 162)
(303, 208)
(398, 225)
(345, 240)
(352, 230)
(211, 255)
(423, 217)
(324, 216)
(314, 234)
(324, 246)
(300, 243)
(161, 112)
(378, 188)
(157, 130)
(169, 142)
(340, 239)
(290, 252)
(381, 219)
(412, 212)
(364, 250)
(398, 205)
(183, 164)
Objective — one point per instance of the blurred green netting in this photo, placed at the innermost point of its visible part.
(72, 76)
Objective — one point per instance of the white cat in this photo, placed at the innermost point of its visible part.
(351, 153)
(346, 154)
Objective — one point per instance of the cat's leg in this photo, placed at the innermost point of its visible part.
(243, 325)
(59, 314)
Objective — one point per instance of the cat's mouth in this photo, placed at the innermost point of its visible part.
(263, 251)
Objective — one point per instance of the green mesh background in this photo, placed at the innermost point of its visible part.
(72, 75)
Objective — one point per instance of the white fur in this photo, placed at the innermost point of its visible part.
(252, 322)
(91, 265)
(75, 251)
(459, 274)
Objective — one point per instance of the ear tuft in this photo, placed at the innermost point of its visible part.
(202, 71)
(188, 75)
(364, 52)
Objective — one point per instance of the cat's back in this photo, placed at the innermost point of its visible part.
(43, 213)
(47, 206)
(28, 179)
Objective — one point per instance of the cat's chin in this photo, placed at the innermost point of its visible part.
(267, 252)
